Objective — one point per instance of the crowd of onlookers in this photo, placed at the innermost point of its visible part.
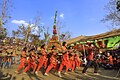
(10, 54)
(109, 60)
(8, 58)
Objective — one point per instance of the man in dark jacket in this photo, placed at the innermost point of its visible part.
(90, 60)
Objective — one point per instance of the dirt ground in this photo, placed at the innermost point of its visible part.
(9, 74)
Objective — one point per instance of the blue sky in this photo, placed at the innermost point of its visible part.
(80, 17)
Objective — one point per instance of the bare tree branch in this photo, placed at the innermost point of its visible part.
(113, 15)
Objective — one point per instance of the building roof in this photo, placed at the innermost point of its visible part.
(73, 40)
(115, 32)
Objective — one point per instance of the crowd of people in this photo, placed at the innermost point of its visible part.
(7, 58)
(49, 59)
(34, 59)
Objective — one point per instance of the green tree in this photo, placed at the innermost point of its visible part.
(3, 33)
(31, 32)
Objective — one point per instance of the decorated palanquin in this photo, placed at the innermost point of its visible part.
(54, 42)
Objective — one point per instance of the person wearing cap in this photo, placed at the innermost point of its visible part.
(53, 64)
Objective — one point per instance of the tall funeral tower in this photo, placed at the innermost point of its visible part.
(54, 40)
